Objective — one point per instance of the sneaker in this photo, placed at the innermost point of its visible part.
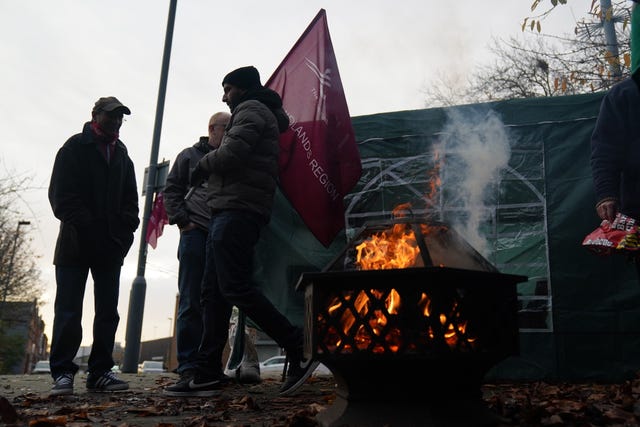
(197, 386)
(107, 381)
(62, 385)
(297, 374)
(187, 374)
(248, 374)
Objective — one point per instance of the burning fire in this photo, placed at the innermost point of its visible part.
(372, 320)
(395, 248)
(385, 250)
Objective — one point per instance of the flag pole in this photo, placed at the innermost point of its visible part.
(139, 285)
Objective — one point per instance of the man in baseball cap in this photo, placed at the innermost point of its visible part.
(93, 193)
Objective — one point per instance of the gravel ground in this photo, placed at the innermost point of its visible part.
(25, 400)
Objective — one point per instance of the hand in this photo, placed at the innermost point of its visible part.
(188, 227)
(607, 210)
(197, 176)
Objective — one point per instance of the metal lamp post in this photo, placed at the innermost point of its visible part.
(139, 285)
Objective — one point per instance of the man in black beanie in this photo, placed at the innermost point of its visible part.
(241, 179)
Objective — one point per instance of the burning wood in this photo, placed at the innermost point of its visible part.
(373, 320)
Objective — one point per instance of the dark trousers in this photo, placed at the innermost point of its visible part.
(227, 283)
(191, 254)
(67, 323)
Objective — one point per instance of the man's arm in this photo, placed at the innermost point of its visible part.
(64, 192)
(238, 142)
(607, 154)
(175, 189)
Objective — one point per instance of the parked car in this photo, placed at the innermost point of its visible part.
(275, 364)
(41, 367)
(151, 367)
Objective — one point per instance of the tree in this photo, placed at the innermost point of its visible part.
(19, 275)
(538, 64)
(607, 14)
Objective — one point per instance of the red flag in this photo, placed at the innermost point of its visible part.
(157, 221)
(319, 158)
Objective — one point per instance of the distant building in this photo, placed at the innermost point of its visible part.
(158, 349)
(21, 320)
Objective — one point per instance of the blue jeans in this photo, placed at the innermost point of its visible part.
(227, 282)
(67, 323)
(191, 254)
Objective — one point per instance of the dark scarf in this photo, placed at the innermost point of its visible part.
(104, 140)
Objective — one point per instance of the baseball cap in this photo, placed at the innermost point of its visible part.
(110, 103)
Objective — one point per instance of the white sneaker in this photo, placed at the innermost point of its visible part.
(63, 385)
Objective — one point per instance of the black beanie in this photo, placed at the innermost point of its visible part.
(244, 78)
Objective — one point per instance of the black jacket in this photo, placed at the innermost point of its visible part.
(615, 148)
(243, 171)
(96, 203)
(180, 211)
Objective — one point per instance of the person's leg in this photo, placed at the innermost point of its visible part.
(249, 369)
(233, 253)
(106, 289)
(191, 254)
(234, 240)
(216, 311)
(67, 323)
(208, 377)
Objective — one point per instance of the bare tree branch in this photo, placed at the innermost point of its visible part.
(543, 65)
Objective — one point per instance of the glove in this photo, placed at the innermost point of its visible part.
(197, 176)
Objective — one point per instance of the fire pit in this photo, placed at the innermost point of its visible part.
(409, 326)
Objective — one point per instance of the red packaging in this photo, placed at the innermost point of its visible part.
(619, 236)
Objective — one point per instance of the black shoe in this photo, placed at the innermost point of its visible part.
(297, 374)
(197, 386)
(187, 374)
(107, 381)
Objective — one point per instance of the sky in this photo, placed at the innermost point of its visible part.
(59, 57)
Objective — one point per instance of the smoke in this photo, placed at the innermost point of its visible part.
(476, 147)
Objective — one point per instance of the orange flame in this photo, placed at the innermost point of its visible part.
(385, 250)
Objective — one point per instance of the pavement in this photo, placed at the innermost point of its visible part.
(25, 401)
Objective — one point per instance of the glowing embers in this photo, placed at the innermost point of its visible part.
(391, 321)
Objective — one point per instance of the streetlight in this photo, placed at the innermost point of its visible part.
(7, 278)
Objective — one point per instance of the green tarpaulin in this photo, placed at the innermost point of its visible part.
(513, 178)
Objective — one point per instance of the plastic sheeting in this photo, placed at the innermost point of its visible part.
(514, 179)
